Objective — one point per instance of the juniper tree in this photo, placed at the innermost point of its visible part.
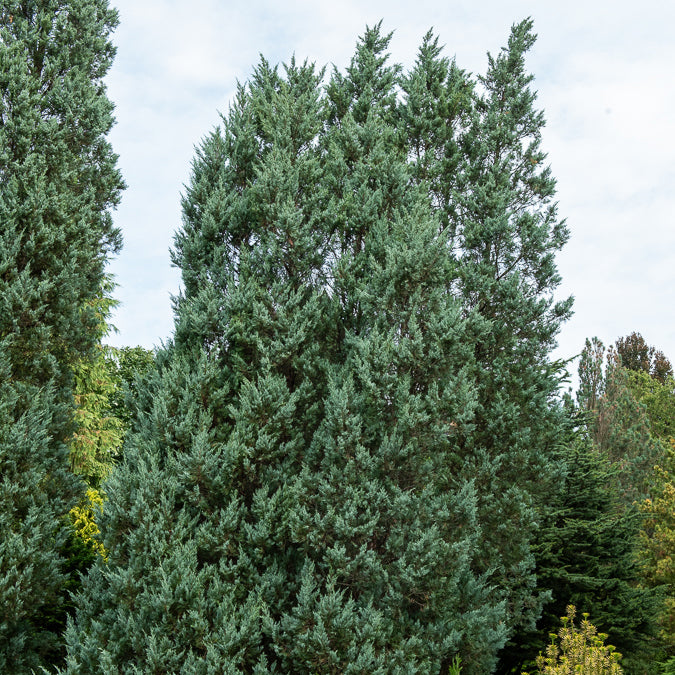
(489, 181)
(433, 122)
(57, 182)
(401, 390)
(307, 484)
(291, 497)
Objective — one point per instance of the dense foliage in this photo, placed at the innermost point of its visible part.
(579, 649)
(58, 182)
(336, 465)
(585, 554)
(638, 356)
(352, 456)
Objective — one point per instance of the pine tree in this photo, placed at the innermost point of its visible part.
(57, 183)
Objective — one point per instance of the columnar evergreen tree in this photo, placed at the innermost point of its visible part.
(36, 492)
(57, 182)
(488, 179)
(433, 122)
(509, 235)
(591, 374)
(307, 483)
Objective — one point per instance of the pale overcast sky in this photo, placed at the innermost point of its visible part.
(604, 75)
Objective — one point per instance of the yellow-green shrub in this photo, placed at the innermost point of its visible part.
(578, 651)
(83, 518)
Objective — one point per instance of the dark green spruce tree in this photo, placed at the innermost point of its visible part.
(585, 555)
(476, 148)
(57, 183)
(292, 497)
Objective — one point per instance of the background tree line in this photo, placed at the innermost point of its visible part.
(354, 454)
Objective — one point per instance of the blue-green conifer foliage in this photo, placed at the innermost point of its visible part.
(58, 182)
(329, 469)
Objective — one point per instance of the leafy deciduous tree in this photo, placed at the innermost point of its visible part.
(638, 356)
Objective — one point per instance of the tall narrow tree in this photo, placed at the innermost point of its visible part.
(292, 496)
(57, 183)
(335, 466)
(490, 182)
